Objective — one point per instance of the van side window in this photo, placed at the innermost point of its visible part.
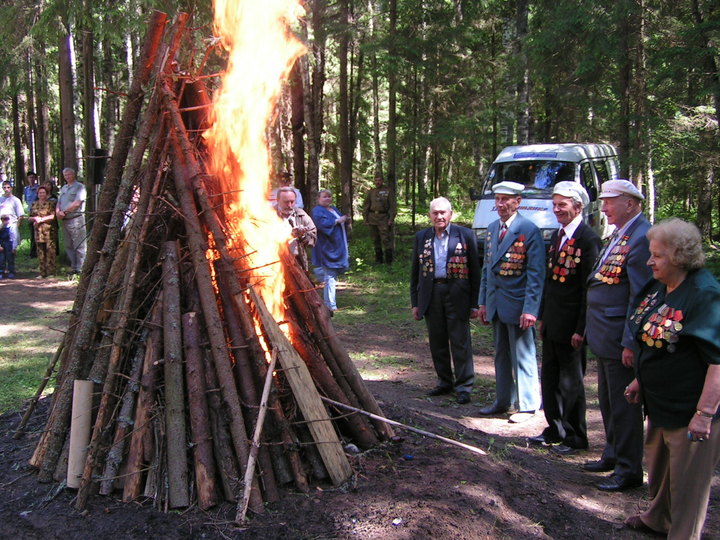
(601, 168)
(587, 179)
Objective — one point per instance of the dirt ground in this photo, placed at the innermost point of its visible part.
(413, 488)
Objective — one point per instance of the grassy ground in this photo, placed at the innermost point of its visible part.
(33, 315)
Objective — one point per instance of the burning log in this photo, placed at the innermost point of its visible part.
(176, 324)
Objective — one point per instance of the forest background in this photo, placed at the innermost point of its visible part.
(426, 91)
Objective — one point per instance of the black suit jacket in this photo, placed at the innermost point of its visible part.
(564, 298)
(463, 269)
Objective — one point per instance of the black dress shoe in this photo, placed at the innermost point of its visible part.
(463, 398)
(538, 439)
(564, 450)
(620, 482)
(439, 391)
(601, 465)
(493, 409)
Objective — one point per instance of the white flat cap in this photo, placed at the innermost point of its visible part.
(508, 188)
(572, 190)
(615, 188)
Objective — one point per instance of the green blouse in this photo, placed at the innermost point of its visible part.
(678, 336)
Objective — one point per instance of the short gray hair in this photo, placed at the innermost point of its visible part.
(69, 169)
(684, 241)
(441, 201)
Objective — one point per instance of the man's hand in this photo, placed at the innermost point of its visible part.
(527, 321)
(632, 392)
(474, 313)
(416, 314)
(482, 315)
(576, 341)
(628, 357)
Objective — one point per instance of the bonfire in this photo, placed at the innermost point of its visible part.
(200, 363)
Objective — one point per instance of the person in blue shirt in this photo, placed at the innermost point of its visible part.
(330, 253)
(30, 196)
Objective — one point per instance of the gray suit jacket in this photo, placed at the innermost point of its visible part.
(514, 271)
(606, 329)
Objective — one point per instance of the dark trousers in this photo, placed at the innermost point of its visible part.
(7, 258)
(33, 246)
(563, 393)
(623, 421)
(450, 344)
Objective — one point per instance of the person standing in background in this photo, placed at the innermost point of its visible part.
(29, 195)
(42, 218)
(330, 254)
(70, 211)
(379, 210)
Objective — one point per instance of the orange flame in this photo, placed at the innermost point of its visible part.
(261, 52)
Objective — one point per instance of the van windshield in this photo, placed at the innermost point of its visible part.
(537, 176)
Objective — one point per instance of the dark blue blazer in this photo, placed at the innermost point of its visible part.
(463, 269)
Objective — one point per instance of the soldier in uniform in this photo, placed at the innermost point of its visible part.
(379, 212)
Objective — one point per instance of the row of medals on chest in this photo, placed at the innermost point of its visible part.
(662, 326)
(514, 258)
(567, 261)
(613, 264)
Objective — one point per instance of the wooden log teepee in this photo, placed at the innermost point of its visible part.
(172, 331)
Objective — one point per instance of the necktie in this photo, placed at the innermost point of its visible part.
(561, 235)
(503, 230)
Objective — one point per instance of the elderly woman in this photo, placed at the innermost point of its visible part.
(42, 218)
(330, 253)
(677, 368)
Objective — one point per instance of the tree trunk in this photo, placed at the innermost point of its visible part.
(67, 93)
(297, 121)
(19, 162)
(43, 124)
(392, 100)
(523, 81)
(89, 136)
(346, 156)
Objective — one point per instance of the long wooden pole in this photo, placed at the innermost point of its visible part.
(250, 470)
(473, 449)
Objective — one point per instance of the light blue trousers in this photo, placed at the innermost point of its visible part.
(516, 371)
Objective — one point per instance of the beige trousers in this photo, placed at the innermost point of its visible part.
(680, 473)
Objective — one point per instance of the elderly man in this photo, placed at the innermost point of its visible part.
(379, 211)
(304, 233)
(618, 275)
(443, 290)
(573, 250)
(510, 293)
(285, 180)
(69, 211)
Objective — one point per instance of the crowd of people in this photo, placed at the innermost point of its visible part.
(641, 301)
(45, 210)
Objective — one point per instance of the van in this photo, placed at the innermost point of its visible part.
(539, 167)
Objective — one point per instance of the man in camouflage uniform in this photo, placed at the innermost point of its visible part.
(379, 212)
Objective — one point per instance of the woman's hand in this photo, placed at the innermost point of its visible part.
(699, 428)
(632, 392)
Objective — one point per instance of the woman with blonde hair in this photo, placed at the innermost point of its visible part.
(675, 322)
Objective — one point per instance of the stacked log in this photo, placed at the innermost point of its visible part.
(200, 395)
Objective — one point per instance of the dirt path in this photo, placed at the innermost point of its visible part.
(409, 489)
